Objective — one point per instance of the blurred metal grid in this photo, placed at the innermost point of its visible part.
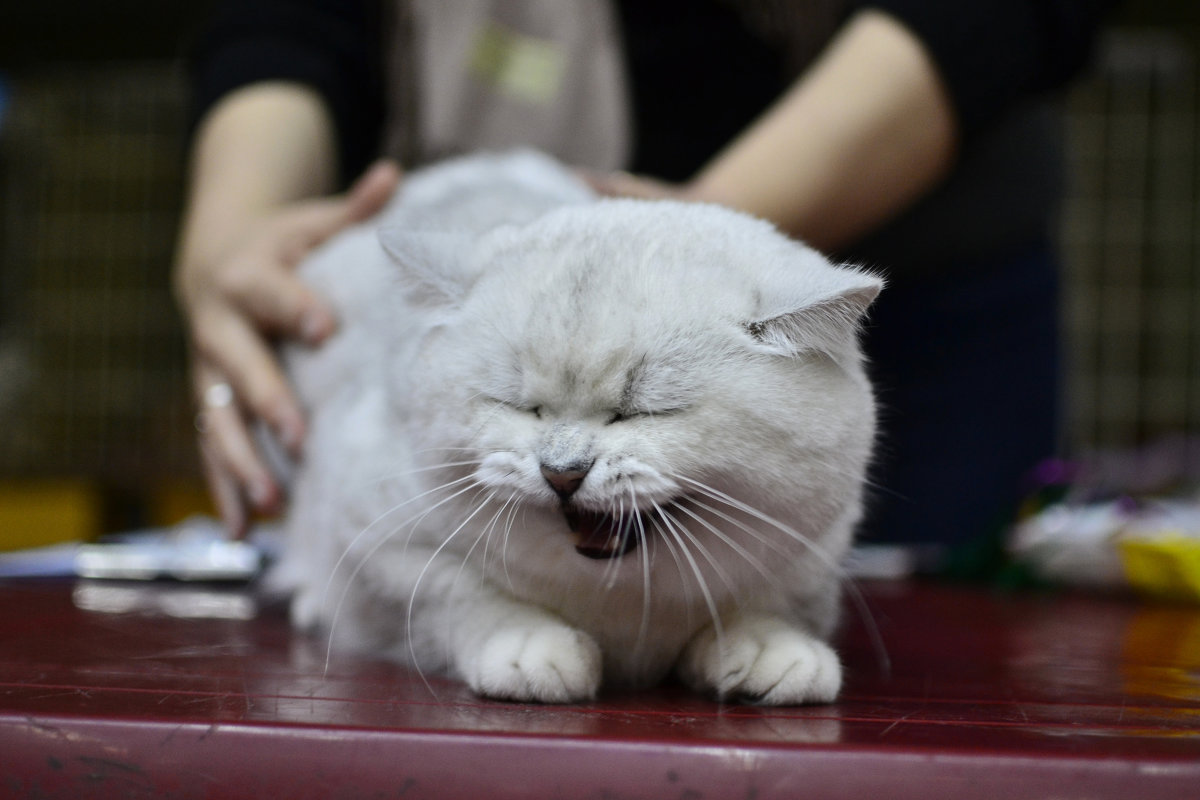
(1131, 243)
(91, 377)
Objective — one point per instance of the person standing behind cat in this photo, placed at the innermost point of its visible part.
(906, 135)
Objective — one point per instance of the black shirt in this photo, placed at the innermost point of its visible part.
(699, 76)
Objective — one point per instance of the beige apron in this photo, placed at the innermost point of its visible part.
(493, 74)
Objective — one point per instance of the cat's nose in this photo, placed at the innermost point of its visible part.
(566, 481)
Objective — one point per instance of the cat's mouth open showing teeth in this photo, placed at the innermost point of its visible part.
(599, 535)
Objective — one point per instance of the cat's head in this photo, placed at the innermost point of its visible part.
(630, 366)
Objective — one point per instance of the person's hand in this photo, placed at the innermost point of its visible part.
(236, 304)
(626, 184)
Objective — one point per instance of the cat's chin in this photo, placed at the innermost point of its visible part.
(601, 535)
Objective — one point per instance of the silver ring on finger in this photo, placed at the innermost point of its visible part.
(218, 395)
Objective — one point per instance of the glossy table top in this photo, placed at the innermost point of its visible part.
(156, 690)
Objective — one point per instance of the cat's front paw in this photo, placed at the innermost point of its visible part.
(538, 663)
(762, 659)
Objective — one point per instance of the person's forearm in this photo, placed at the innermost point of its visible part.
(862, 135)
(258, 149)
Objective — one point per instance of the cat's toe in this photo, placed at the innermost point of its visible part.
(765, 661)
(549, 664)
(790, 670)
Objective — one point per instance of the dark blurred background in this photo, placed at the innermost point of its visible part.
(95, 420)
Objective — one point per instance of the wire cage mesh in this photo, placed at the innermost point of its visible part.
(1131, 245)
(91, 353)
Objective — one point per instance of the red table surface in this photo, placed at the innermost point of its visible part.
(119, 690)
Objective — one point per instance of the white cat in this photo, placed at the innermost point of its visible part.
(560, 442)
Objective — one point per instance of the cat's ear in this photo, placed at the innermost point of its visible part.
(824, 315)
(434, 267)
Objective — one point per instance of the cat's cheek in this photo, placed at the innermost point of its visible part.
(508, 470)
(625, 478)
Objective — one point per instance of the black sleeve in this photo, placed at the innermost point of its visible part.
(331, 45)
(992, 53)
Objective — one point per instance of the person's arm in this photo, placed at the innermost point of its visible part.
(861, 135)
(878, 120)
(263, 158)
(261, 147)
(865, 132)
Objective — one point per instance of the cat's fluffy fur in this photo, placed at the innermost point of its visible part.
(503, 328)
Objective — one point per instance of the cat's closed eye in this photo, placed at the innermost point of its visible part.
(517, 406)
(625, 415)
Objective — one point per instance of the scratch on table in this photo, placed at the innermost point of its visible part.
(888, 729)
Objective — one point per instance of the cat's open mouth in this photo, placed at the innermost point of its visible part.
(599, 535)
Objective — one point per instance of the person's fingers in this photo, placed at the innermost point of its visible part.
(260, 281)
(231, 309)
(241, 357)
(316, 220)
(624, 184)
(600, 182)
(279, 302)
(235, 468)
(372, 190)
(293, 308)
(221, 485)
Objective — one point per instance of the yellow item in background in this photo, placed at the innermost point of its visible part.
(175, 501)
(39, 513)
(1150, 545)
(524, 67)
(1166, 565)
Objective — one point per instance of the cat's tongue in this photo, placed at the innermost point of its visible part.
(599, 535)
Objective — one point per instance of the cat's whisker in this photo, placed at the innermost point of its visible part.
(444, 449)
(510, 517)
(412, 597)
(757, 535)
(419, 470)
(662, 536)
(483, 423)
(414, 520)
(482, 536)
(790, 532)
(612, 568)
(852, 588)
(854, 476)
(349, 548)
(644, 555)
(702, 584)
(490, 527)
(473, 462)
(732, 544)
(713, 562)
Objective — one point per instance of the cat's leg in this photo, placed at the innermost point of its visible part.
(533, 658)
(761, 658)
(510, 650)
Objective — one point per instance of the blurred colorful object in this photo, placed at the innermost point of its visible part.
(1118, 520)
(1168, 565)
